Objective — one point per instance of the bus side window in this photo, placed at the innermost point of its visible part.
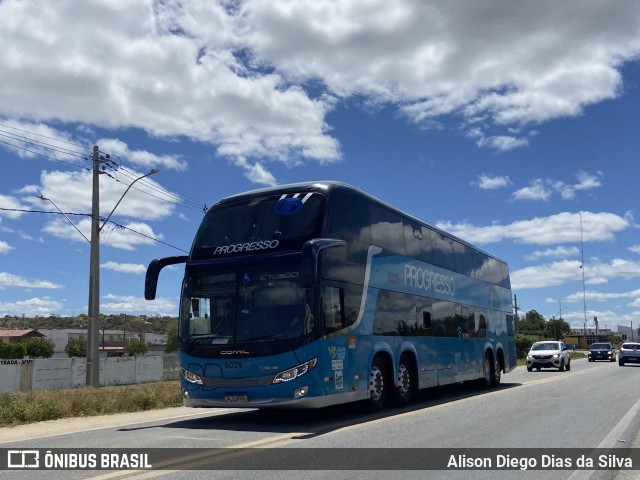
(333, 309)
(199, 321)
(426, 319)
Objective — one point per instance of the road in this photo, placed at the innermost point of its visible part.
(594, 405)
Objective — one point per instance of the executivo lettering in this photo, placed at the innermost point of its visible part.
(428, 280)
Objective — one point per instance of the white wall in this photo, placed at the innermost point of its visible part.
(59, 373)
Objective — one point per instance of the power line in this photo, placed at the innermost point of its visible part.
(43, 136)
(75, 165)
(22, 210)
(24, 139)
(147, 236)
(180, 198)
(165, 194)
(43, 211)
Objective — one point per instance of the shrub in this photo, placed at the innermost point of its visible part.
(38, 347)
(523, 344)
(75, 348)
(136, 346)
(13, 350)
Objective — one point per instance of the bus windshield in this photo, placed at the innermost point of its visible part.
(260, 304)
(260, 225)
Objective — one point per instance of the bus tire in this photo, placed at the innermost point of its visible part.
(402, 393)
(497, 371)
(488, 372)
(378, 385)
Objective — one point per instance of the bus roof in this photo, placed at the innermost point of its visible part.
(328, 186)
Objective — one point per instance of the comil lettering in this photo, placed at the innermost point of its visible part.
(425, 279)
(246, 247)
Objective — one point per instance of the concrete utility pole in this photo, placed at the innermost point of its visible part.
(93, 337)
(93, 331)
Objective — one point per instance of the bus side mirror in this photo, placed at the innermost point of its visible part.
(153, 271)
(310, 252)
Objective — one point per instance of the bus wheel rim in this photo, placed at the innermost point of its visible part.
(404, 386)
(376, 383)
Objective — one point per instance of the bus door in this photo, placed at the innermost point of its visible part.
(335, 359)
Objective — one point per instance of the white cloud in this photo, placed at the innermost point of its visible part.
(558, 252)
(124, 267)
(586, 181)
(635, 248)
(5, 247)
(548, 275)
(10, 280)
(492, 182)
(44, 306)
(11, 203)
(558, 273)
(602, 296)
(536, 191)
(141, 158)
(127, 303)
(555, 229)
(258, 79)
(134, 233)
(502, 143)
(72, 192)
(35, 140)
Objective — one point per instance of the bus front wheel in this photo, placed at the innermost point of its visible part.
(378, 381)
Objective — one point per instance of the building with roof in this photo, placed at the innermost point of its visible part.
(16, 336)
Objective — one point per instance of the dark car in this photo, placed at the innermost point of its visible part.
(629, 352)
(602, 351)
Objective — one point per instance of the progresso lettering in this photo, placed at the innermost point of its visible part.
(428, 280)
(246, 247)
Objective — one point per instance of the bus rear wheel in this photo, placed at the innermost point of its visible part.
(378, 384)
(491, 372)
(403, 392)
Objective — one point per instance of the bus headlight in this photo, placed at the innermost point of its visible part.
(295, 372)
(190, 376)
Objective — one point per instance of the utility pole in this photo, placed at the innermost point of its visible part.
(93, 331)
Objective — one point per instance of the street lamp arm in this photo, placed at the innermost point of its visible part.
(153, 171)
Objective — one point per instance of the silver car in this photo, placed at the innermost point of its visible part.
(549, 354)
(629, 352)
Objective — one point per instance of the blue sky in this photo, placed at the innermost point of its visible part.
(507, 124)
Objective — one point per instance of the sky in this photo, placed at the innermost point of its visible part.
(513, 125)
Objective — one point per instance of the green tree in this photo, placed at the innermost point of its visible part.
(533, 322)
(523, 344)
(38, 347)
(75, 348)
(135, 346)
(556, 328)
(172, 337)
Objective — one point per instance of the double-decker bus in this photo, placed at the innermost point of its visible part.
(315, 294)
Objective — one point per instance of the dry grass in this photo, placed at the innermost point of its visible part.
(39, 405)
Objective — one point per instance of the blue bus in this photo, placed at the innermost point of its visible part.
(316, 294)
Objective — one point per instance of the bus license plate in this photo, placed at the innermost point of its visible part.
(236, 398)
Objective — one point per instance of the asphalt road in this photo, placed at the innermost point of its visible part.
(593, 406)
